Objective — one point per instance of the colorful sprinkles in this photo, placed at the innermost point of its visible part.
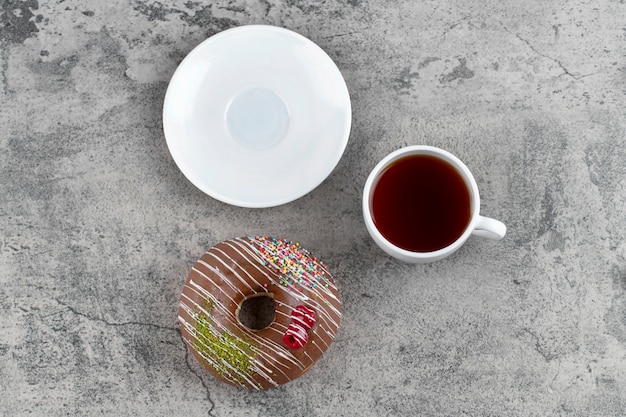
(298, 269)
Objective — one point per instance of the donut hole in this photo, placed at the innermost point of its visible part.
(257, 311)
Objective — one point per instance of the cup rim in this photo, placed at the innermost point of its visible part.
(421, 150)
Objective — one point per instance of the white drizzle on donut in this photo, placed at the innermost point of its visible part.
(285, 267)
(319, 292)
(268, 344)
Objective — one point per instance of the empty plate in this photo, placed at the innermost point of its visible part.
(257, 116)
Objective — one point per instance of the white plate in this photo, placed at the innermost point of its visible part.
(257, 116)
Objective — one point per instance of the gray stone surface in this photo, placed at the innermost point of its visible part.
(99, 228)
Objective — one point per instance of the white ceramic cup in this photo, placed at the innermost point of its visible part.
(478, 225)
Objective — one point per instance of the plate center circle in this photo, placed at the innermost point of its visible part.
(257, 118)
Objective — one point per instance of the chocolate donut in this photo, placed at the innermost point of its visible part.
(258, 312)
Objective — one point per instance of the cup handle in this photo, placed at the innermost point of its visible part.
(489, 228)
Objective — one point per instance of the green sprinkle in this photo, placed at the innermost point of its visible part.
(233, 356)
(208, 305)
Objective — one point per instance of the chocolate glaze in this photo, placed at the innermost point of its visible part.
(236, 269)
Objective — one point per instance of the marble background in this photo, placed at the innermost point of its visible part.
(99, 228)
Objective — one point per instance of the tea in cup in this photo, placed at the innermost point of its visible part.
(421, 203)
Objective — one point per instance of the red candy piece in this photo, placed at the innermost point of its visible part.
(302, 319)
(304, 316)
(295, 337)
